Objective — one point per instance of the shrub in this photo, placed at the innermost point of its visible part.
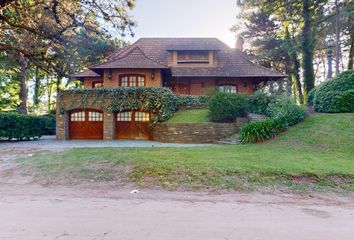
(224, 107)
(258, 102)
(283, 112)
(284, 107)
(192, 101)
(17, 126)
(335, 95)
(258, 131)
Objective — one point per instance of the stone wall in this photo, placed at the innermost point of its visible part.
(196, 133)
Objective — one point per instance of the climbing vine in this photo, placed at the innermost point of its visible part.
(159, 101)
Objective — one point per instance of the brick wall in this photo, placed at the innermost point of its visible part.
(201, 85)
(116, 73)
(89, 81)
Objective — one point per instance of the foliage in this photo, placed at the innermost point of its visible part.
(192, 101)
(258, 102)
(20, 127)
(335, 95)
(284, 107)
(283, 112)
(157, 100)
(226, 107)
(35, 28)
(258, 131)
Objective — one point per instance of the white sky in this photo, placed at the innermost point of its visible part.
(185, 18)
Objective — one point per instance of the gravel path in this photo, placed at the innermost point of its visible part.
(49, 142)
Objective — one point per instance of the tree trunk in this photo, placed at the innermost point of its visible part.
(307, 49)
(351, 51)
(23, 83)
(37, 85)
(338, 48)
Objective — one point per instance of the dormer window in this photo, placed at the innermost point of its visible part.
(193, 56)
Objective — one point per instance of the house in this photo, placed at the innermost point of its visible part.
(185, 65)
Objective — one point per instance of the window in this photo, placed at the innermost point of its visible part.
(228, 88)
(97, 84)
(193, 57)
(95, 116)
(124, 81)
(132, 81)
(124, 117)
(77, 117)
(142, 117)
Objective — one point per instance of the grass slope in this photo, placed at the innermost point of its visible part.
(189, 116)
(317, 154)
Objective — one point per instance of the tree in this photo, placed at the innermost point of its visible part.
(51, 35)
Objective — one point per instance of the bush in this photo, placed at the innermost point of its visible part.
(283, 112)
(192, 101)
(17, 126)
(258, 131)
(284, 107)
(258, 102)
(335, 95)
(224, 107)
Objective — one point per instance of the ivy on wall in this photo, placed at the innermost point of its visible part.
(159, 101)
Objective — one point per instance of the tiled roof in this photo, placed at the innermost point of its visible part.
(134, 57)
(154, 53)
(86, 73)
(232, 63)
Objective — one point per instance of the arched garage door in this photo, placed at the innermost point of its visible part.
(133, 125)
(86, 124)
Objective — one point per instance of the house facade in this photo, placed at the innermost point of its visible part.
(191, 66)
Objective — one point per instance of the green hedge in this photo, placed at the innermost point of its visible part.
(335, 95)
(192, 101)
(225, 107)
(283, 112)
(20, 127)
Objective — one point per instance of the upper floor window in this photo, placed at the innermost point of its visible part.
(132, 81)
(97, 84)
(228, 88)
(193, 57)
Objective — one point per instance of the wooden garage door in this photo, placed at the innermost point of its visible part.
(86, 124)
(133, 125)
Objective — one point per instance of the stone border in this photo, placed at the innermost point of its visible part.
(196, 132)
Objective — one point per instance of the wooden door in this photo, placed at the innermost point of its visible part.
(133, 125)
(86, 124)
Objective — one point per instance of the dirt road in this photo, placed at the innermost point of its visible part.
(32, 212)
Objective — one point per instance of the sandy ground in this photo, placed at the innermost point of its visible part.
(32, 212)
(102, 211)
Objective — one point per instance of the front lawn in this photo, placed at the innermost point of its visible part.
(189, 116)
(317, 154)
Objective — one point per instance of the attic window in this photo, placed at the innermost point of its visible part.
(193, 57)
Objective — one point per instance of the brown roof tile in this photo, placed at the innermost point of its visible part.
(86, 73)
(132, 58)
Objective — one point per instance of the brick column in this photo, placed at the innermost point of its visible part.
(62, 128)
(108, 126)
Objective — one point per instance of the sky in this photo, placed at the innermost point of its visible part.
(185, 18)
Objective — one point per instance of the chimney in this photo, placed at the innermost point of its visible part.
(239, 44)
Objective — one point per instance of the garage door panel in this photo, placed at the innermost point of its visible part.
(86, 124)
(133, 125)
